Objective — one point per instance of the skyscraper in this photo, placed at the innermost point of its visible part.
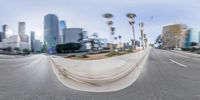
(22, 35)
(1, 36)
(62, 26)
(7, 32)
(4, 28)
(32, 41)
(51, 31)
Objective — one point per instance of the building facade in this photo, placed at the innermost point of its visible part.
(12, 41)
(21, 31)
(73, 35)
(37, 45)
(174, 36)
(1, 36)
(51, 31)
(7, 32)
(62, 27)
(32, 41)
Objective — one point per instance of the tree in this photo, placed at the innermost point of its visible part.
(26, 51)
(60, 48)
(109, 17)
(193, 44)
(44, 48)
(17, 49)
(9, 49)
(131, 17)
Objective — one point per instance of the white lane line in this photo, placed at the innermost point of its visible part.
(182, 55)
(185, 66)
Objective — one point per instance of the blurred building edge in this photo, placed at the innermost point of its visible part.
(37, 45)
(14, 42)
(179, 36)
(22, 35)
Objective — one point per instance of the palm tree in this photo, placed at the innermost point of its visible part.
(120, 37)
(109, 17)
(115, 38)
(120, 41)
(131, 17)
(141, 25)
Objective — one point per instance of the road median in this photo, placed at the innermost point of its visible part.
(97, 74)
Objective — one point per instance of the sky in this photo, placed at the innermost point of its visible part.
(87, 14)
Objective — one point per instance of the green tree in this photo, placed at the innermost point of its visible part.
(17, 49)
(108, 17)
(60, 48)
(26, 51)
(193, 44)
(131, 17)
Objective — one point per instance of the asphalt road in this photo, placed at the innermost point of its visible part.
(165, 76)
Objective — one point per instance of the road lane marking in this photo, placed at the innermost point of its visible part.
(182, 55)
(185, 66)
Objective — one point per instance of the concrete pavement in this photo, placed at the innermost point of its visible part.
(32, 78)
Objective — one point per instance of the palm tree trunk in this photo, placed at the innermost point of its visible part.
(134, 46)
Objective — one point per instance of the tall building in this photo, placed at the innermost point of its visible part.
(22, 35)
(37, 45)
(32, 41)
(7, 32)
(51, 31)
(1, 36)
(74, 35)
(174, 36)
(62, 27)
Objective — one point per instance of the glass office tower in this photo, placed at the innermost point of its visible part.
(51, 31)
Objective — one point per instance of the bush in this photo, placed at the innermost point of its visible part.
(70, 56)
(193, 44)
(193, 49)
(185, 49)
(129, 51)
(82, 56)
(113, 53)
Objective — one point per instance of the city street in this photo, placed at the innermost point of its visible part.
(167, 75)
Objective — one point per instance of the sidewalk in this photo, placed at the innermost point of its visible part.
(2, 56)
(98, 75)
